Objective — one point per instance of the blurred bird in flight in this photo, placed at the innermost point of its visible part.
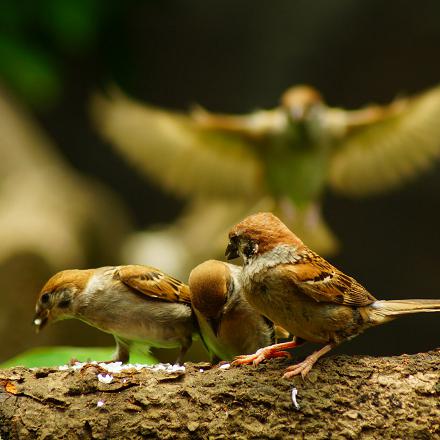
(279, 160)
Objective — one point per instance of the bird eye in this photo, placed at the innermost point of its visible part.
(45, 298)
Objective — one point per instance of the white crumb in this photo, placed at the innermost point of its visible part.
(105, 379)
(294, 401)
(100, 403)
(225, 366)
(119, 367)
(37, 321)
(201, 370)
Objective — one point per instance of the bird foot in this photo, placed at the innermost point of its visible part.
(273, 351)
(306, 365)
(259, 356)
(302, 368)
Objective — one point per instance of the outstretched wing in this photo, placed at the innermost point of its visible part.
(153, 283)
(392, 145)
(173, 150)
(317, 278)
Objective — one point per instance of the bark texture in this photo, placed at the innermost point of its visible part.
(343, 397)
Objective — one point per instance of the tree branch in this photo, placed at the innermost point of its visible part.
(343, 397)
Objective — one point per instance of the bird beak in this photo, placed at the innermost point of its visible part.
(231, 251)
(40, 320)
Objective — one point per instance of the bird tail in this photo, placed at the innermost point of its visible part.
(383, 311)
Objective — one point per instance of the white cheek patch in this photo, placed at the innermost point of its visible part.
(282, 254)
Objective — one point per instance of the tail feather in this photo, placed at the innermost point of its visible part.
(382, 311)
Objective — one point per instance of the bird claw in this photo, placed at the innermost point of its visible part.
(302, 368)
(259, 356)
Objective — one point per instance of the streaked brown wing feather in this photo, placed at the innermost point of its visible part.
(154, 283)
(321, 281)
(171, 149)
(381, 155)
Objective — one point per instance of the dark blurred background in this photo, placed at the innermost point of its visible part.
(229, 56)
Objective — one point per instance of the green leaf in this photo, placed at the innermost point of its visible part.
(72, 23)
(53, 356)
(29, 70)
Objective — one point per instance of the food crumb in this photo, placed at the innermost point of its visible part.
(294, 401)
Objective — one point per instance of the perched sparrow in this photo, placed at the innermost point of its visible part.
(299, 290)
(280, 160)
(229, 326)
(134, 303)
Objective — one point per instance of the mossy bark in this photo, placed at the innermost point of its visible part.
(343, 397)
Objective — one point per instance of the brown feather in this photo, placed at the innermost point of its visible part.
(315, 277)
(321, 281)
(267, 230)
(209, 287)
(75, 277)
(153, 283)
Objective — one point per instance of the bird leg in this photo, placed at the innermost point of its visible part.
(272, 351)
(306, 365)
(186, 344)
(122, 351)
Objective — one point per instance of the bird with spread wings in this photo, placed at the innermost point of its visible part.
(279, 160)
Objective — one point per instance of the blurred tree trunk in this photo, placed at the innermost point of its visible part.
(51, 218)
(344, 397)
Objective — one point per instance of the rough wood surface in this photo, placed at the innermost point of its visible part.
(344, 397)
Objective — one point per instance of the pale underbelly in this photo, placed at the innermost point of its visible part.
(165, 327)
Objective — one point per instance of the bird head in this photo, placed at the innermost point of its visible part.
(300, 100)
(55, 301)
(210, 283)
(258, 234)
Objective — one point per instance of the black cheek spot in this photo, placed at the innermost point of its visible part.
(64, 303)
(339, 299)
(250, 249)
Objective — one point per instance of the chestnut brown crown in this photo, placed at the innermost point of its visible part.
(258, 234)
(56, 297)
(209, 284)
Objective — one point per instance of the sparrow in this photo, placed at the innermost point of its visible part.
(229, 326)
(136, 304)
(281, 160)
(296, 288)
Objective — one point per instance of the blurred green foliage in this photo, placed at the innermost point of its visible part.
(37, 37)
(52, 356)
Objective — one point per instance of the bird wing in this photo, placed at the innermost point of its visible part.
(254, 126)
(318, 279)
(174, 151)
(153, 283)
(386, 146)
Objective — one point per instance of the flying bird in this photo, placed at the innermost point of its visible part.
(296, 288)
(279, 160)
